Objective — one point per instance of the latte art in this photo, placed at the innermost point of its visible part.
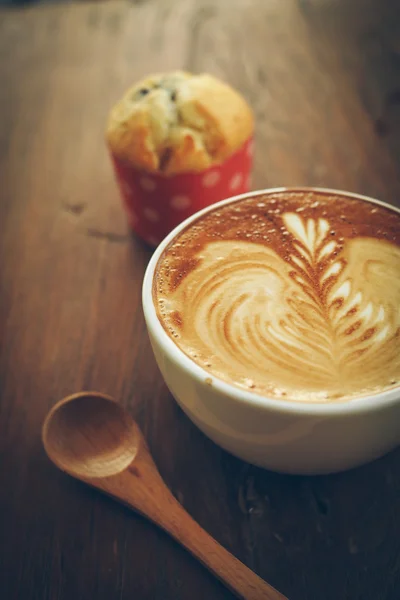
(307, 309)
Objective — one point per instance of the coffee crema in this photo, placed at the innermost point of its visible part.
(292, 295)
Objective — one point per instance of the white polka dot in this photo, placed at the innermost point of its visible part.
(211, 179)
(235, 181)
(153, 241)
(132, 217)
(147, 184)
(151, 215)
(126, 189)
(250, 148)
(180, 202)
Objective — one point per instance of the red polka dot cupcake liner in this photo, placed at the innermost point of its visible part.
(157, 203)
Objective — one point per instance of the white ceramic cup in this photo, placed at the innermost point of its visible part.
(290, 437)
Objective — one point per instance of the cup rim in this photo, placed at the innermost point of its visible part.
(357, 405)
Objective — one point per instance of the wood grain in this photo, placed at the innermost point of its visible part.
(324, 78)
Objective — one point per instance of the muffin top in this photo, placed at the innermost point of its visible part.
(178, 122)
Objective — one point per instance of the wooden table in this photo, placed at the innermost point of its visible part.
(324, 80)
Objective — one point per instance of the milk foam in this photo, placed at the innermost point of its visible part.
(321, 323)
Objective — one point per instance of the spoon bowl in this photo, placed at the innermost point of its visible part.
(90, 435)
(94, 439)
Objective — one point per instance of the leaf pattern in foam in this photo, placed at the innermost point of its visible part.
(325, 318)
(364, 309)
(358, 289)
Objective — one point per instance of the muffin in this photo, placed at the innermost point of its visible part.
(179, 142)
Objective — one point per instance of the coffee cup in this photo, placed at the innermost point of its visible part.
(288, 356)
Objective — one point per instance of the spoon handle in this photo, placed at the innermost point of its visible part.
(238, 578)
(141, 487)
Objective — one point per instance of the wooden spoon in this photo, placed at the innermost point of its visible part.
(92, 438)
